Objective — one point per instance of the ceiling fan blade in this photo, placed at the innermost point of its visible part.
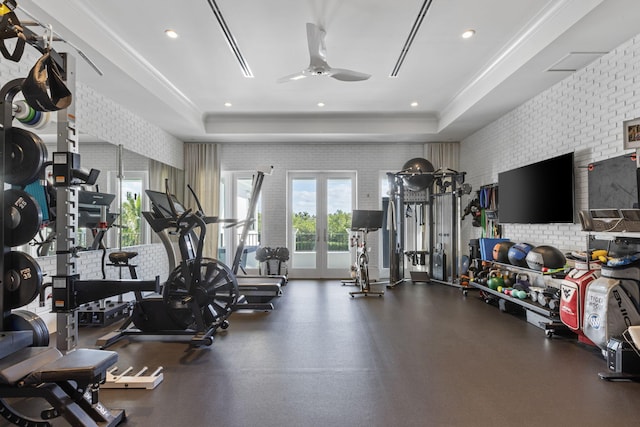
(348, 75)
(292, 77)
(317, 48)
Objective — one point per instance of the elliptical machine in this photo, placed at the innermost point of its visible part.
(199, 294)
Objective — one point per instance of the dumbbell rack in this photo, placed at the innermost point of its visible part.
(536, 314)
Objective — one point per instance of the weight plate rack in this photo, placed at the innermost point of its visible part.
(23, 157)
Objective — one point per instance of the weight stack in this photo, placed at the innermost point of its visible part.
(439, 266)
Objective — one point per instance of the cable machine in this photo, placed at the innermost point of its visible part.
(431, 241)
(447, 262)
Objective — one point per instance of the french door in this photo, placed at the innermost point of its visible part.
(319, 219)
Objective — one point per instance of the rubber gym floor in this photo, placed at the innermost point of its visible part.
(422, 355)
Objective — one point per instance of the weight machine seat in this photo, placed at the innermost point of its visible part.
(37, 365)
(122, 257)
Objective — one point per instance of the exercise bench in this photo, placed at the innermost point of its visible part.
(69, 383)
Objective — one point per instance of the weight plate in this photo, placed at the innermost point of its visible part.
(24, 320)
(36, 116)
(25, 155)
(44, 120)
(22, 279)
(22, 217)
(22, 110)
(30, 115)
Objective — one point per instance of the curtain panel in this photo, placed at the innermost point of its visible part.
(202, 173)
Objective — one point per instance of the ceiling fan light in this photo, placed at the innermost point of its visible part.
(468, 34)
(171, 34)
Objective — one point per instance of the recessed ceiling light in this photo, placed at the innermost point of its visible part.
(414, 104)
(468, 34)
(320, 104)
(171, 34)
(228, 104)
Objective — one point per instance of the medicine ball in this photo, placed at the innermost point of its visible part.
(417, 174)
(501, 251)
(545, 257)
(518, 254)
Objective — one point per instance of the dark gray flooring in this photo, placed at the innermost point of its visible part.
(422, 355)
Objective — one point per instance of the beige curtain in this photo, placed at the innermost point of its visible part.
(202, 172)
(159, 172)
(443, 155)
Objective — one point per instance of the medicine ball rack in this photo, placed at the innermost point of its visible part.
(544, 317)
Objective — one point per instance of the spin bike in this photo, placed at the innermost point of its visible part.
(199, 294)
(362, 266)
(364, 221)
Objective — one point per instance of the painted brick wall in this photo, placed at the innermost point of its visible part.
(104, 119)
(367, 160)
(583, 113)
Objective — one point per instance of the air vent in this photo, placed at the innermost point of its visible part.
(231, 40)
(574, 61)
(412, 34)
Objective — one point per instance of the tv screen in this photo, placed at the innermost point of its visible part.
(539, 193)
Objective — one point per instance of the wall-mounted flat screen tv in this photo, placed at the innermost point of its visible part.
(539, 193)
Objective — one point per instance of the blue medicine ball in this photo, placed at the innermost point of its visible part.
(518, 254)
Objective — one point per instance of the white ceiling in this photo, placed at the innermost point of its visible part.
(460, 85)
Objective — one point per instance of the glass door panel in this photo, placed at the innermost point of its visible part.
(320, 219)
(339, 202)
(304, 223)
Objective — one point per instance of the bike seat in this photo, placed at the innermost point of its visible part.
(122, 257)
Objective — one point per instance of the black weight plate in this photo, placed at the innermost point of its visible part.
(22, 217)
(24, 320)
(22, 279)
(25, 155)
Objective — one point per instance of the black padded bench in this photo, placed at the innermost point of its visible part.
(68, 382)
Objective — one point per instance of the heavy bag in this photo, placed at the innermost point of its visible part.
(609, 310)
(34, 88)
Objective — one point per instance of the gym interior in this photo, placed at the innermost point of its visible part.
(468, 260)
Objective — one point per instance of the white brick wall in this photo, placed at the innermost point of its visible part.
(368, 160)
(583, 113)
(102, 118)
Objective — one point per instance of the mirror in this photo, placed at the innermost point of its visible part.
(124, 191)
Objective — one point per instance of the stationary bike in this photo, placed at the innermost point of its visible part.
(362, 266)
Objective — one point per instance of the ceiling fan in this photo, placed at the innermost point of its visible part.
(318, 65)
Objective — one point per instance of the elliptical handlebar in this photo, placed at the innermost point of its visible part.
(193, 193)
(169, 200)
